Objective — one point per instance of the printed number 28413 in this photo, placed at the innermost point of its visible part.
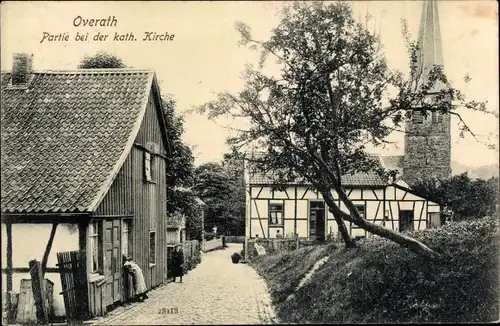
(168, 311)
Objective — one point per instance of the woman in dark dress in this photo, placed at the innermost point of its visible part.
(178, 263)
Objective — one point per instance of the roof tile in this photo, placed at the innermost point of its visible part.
(62, 136)
(359, 179)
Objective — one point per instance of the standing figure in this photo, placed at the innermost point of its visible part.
(140, 288)
(178, 263)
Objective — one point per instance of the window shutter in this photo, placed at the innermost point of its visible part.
(147, 166)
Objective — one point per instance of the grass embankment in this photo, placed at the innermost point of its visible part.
(381, 282)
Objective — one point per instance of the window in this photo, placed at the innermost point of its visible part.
(417, 117)
(406, 220)
(126, 238)
(276, 214)
(152, 247)
(95, 266)
(437, 117)
(361, 210)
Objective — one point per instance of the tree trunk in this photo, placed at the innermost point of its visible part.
(400, 238)
(354, 217)
(327, 195)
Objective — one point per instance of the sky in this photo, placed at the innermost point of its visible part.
(204, 57)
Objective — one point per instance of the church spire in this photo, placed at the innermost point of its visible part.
(430, 51)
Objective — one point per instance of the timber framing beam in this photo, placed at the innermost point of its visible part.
(44, 218)
(19, 270)
(9, 273)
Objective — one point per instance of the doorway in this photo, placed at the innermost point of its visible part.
(112, 261)
(317, 220)
(406, 220)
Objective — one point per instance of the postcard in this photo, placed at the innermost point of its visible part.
(249, 162)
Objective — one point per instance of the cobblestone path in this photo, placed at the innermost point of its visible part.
(215, 292)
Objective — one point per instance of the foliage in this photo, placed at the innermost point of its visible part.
(180, 172)
(380, 283)
(465, 197)
(181, 159)
(334, 96)
(101, 60)
(221, 187)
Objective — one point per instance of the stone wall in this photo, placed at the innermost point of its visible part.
(427, 149)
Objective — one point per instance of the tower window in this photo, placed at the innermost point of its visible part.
(417, 117)
(437, 117)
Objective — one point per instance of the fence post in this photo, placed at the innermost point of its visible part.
(38, 289)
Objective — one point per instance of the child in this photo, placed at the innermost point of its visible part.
(178, 263)
(140, 287)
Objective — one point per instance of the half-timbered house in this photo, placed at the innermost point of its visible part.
(83, 169)
(300, 210)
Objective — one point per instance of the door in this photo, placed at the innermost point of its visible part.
(406, 220)
(112, 261)
(317, 220)
(434, 220)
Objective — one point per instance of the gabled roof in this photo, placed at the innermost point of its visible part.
(359, 179)
(66, 136)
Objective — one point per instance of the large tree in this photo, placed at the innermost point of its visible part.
(334, 96)
(180, 172)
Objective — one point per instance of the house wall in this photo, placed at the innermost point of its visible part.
(381, 206)
(150, 199)
(145, 202)
(29, 242)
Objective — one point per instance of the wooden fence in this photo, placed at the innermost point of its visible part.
(72, 268)
(212, 245)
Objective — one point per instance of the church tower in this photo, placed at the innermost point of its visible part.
(427, 150)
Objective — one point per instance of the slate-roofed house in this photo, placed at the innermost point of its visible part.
(86, 150)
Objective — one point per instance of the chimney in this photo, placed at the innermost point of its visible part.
(22, 67)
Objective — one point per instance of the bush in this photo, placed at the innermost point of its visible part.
(467, 198)
(381, 282)
(209, 236)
